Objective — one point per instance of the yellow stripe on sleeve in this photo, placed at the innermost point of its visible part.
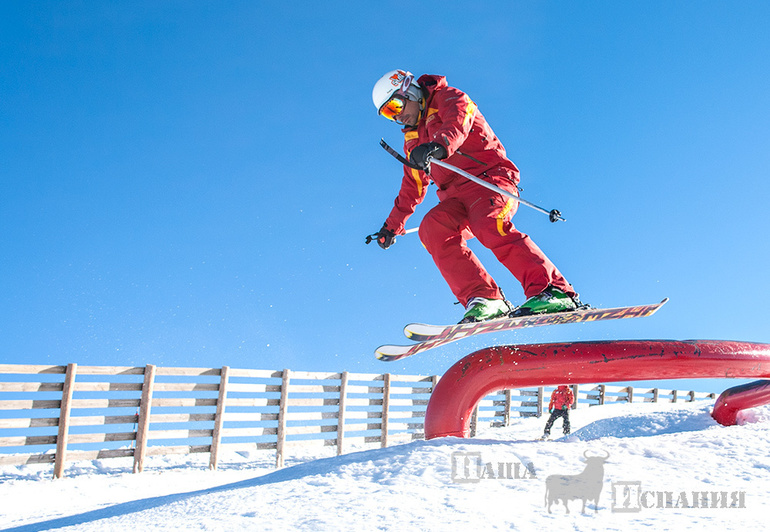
(469, 111)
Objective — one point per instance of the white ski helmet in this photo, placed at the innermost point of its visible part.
(395, 82)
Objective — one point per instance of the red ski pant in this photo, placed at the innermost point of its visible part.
(467, 209)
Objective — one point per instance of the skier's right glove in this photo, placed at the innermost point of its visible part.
(384, 237)
(421, 154)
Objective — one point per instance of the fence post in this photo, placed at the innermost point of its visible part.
(654, 395)
(575, 394)
(602, 390)
(630, 391)
(474, 421)
(64, 420)
(284, 406)
(540, 393)
(143, 425)
(507, 412)
(216, 437)
(385, 409)
(674, 395)
(341, 414)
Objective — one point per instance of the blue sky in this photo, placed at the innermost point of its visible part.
(190, 183)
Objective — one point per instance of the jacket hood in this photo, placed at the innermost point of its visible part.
(430, 83)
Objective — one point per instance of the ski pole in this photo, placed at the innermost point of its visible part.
(553, 215)
(375, 235)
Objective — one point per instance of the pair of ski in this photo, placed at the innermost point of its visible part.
(430, 336)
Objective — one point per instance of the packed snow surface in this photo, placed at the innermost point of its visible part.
(668, 467)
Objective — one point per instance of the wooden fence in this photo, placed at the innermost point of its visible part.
(59, 414)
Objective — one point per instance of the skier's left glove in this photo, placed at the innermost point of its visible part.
(421, 153)
(384, 237)
(564, 407)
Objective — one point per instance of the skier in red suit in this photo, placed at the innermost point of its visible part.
(562, 400)
(444, 123)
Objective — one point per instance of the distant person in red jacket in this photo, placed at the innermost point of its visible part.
(562, 400)
(444, 123)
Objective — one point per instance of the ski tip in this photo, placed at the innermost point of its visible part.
(381, 354)
(665, 300)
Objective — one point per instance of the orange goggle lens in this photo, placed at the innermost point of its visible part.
(393, 107)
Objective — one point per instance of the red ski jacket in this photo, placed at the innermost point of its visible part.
(452, 119)
(561, 396)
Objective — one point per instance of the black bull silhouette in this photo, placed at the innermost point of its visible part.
(586, 486)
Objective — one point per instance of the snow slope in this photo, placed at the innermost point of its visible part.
(657, 452)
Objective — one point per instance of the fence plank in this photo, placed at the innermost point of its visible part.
(17, 441)
(86, 421)
(27, 369)
(251, 416)
(180, 418)
(314, 388)
(182, 401)
(216, 438)
(31, 386)
(111, 370)
(34, 404)
(108, 387)
(25, 459)
(188, 372)
(244, 387)
(24, 423)
(104, 403)
(142, 429)
(253, 401)
(249, 431)
(179, 434)
(101, 437)
(185, 387)
(255, 373)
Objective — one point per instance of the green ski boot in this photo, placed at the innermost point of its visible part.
(549, 300)
(482, 309)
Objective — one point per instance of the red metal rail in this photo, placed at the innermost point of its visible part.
(520, 366)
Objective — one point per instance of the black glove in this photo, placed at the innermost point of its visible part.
(384, 237)
(420, 154)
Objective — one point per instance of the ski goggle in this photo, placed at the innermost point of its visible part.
(393, 107)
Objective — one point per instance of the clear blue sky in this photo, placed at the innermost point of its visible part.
(190, 183)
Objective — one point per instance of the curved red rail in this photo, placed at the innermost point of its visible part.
(520, 366)
(738, 398)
